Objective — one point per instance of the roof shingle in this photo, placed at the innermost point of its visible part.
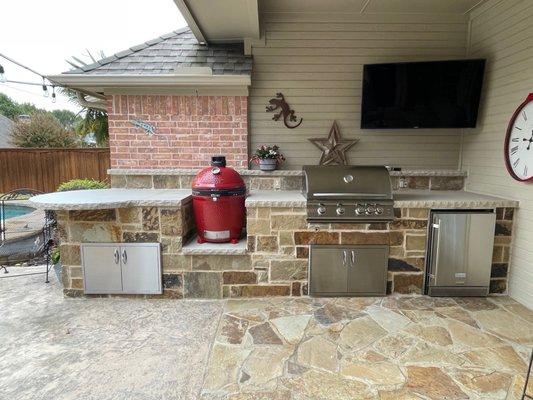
(170, 51)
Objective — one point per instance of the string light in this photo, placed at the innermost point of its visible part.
(53, 94)
(45, 89)
(2, 74)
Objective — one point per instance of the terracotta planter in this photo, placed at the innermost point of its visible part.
(268, 164)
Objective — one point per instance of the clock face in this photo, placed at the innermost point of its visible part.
(519, 146)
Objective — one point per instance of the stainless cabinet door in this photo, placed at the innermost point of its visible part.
(480, 243)
(101, 268)
(141, 268)
(367, 273)
(462, 249)
(328, 270)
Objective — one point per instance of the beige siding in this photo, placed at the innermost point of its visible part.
(502, 32)
(316, 61)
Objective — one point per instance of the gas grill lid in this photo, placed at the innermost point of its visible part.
(347, 182)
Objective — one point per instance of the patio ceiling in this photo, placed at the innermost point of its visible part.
(373, 6)
(235, 20)
(221, 21)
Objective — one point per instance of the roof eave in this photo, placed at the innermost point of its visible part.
(102, 83)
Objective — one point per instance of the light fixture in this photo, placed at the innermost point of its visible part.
(45, 90)
(2, 75)
(53, 94)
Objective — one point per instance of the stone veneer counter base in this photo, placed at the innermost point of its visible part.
(275, 260)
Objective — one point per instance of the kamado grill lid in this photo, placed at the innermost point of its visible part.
(218, 179)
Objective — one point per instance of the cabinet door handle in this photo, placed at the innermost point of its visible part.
(353, 258)
(124, 257)
(117, 256)
(344, 257)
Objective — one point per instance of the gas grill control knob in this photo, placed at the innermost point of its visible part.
(360, 209)
(379, 210)
(340, 209)
(370, 209)
(321, 210)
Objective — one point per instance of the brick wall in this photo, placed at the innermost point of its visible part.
(188, 130)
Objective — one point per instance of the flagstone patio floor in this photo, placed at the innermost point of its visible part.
(398, 347)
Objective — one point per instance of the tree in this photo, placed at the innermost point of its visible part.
(94, 121)
(67, 118)
(43, 130)
(11, 109)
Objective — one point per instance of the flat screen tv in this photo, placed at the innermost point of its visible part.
(435, 94)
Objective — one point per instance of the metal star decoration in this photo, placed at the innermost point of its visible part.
(333, 148)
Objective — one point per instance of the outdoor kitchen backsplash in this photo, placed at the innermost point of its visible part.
(278, 247)
(287, 182)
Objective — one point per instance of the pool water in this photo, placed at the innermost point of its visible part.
(16, 211)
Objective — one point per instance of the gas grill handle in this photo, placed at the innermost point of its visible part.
(369, 195)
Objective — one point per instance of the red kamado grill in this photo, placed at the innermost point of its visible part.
(218, 202)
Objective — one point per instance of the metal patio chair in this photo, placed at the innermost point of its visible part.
(525, 395)
(28, 249)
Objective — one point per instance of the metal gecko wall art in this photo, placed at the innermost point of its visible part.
(285, 111)
(145, 126)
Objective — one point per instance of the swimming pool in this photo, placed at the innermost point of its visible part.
(16, 211)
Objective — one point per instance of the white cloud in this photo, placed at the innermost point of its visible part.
(42, 34)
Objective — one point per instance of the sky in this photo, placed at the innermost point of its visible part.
(42, 34)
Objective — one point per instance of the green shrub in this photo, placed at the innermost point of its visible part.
(81, 184)
(55, 256)
(42, 131)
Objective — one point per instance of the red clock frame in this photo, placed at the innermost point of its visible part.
(528, 99)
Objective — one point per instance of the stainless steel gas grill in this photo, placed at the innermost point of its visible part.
(348, 193)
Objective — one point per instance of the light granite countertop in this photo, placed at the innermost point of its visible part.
(273, 198)
(403, 199)
(448, 199)
(193, 172)
(193, 247)
(123, 198)
(110, 198)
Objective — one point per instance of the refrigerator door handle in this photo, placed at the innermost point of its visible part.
(435, 270)
(344, 257)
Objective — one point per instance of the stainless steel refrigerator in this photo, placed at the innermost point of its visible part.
(459, 255)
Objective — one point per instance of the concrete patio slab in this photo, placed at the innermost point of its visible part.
(58, 348)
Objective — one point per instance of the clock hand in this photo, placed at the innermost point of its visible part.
(530, 140)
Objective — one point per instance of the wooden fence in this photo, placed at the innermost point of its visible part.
(46, 169)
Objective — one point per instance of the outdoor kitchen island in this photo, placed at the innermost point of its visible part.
(273, 259)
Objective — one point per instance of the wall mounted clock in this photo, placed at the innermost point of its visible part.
(519, 142)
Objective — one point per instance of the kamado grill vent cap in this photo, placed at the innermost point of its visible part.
(218, 161)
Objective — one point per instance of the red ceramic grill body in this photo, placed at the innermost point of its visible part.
(218, 196)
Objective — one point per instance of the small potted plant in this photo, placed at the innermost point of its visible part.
(267, 157)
